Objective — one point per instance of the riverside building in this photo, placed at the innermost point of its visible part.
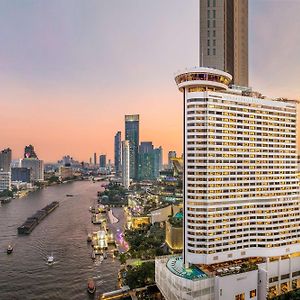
(241, 194)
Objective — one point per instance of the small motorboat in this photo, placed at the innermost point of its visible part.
(50, 259)
(10, 249)
(91, 287)
(101, 258)
(69, 195)
(93, 255)
(89, 238)
(105, 255)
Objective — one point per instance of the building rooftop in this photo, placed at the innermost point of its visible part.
(176, 266)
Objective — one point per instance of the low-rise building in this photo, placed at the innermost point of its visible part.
(5, 181)
(65, 172)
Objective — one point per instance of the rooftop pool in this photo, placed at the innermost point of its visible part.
(176, 266)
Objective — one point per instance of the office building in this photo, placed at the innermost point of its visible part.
(241, 194)
(29, 152)
(21, 174)
(65, 172)
(146, 161)
(150, 161)
(171, 155)
(132, 135)
(102, 161)
(95, 159)
(126, 164)
(5, 160)
(224, 37)
(36, 167)
(118, 151)
(5, 181)
(158, 161)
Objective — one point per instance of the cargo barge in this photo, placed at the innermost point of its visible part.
(33, 221)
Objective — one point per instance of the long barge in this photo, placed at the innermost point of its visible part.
(34, 220)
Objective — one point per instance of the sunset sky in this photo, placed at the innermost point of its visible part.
(70, 70)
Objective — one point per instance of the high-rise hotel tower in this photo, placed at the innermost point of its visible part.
(241, 194)
(241, 185)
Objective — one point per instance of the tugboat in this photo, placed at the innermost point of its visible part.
(91, 287)
(50, 260)
(10, 249)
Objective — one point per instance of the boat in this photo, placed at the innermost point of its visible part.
(91, 287)
(10, 249)
(93, 255)
(89, 238)
(101, 258)
(69, 195)
(33, 221)
(50, 259)
(105, 255)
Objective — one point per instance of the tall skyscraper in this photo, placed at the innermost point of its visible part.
(150, 161)
(171, 154)
(118, 152)
(36, 167)
(5, 160)
(126, 164)
(145, 147)
(132, 135)
(29, 152)
(241, 194)
(102, 161)
(95, 159)
(158, 161)
(224, 37)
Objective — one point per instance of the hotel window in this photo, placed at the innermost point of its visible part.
(208, 43)
(214, 13)
(240, 297)
(214, 23)
(214, 33)
(208, 14)
(208, 23)
(214, 51)
(208, 52)
(253, 294)
(214, 43)
(214, 3)
(208, 33)
(208, 3)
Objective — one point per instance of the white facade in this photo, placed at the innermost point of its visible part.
(125, 164)
(5, 181)
(36, 166)
(241, 186)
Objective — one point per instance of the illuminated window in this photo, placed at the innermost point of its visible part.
(240, 297)
(253, 294)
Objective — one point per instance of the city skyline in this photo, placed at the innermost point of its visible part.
(55, 78)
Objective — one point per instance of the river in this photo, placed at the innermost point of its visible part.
(25, 274)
